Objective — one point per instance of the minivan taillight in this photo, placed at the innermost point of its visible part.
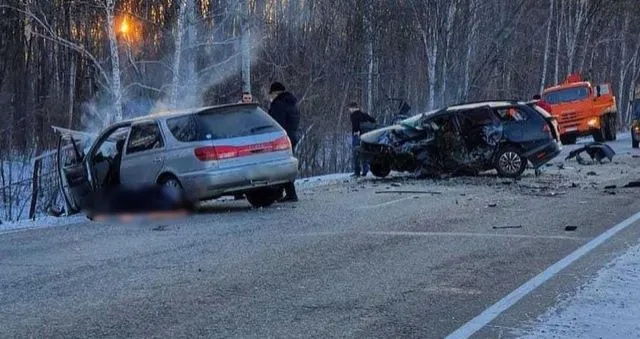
(282, 144)
(210, 153)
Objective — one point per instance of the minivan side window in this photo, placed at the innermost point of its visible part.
(185, 128)
(144, 137)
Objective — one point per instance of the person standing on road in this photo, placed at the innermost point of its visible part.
(361, 123)
(284, 110)
(542, 103)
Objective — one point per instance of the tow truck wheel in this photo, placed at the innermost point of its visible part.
(567, 139)
(601, 134)
(609, 128)
(510, 163)
(380, 169)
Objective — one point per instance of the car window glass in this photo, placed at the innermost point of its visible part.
(512, 114)
(184, 129)
(566, 95)
(222, 123)
(144, 137)
(108, 147)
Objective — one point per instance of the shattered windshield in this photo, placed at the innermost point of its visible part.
(415, 121)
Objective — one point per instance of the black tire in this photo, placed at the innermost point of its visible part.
(568, 139)
(510, 163)
(614, 127)
(380, 169)
(610, 129)
(601, 134)
(635, 143)
(263, 197)
(171, 181)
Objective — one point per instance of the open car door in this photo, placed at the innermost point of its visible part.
(73, 175)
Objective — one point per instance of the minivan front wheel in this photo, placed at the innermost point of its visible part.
(510, 163)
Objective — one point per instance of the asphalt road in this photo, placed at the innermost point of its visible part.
(346, 261)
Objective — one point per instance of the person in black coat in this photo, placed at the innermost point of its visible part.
(284, 110)
(361, 123)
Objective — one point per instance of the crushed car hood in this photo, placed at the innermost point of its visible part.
(389, 135)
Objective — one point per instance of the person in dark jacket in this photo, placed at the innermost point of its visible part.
(361, 123)
(284, 110)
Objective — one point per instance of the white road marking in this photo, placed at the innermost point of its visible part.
(512, 298)
(387, 203)
(446, 234)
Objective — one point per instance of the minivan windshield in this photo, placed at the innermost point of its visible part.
(566, 95)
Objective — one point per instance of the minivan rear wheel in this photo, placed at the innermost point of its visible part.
(263, 197)
(510, 163)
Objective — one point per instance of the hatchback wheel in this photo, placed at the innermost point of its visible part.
(263, 197)
(510, 163)
(380, 169)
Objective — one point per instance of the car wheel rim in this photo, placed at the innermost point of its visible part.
(172, 184)
(510, 162)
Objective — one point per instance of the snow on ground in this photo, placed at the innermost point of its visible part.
(43, 222)
(607, 307)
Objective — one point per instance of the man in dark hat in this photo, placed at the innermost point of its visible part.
(284, 110)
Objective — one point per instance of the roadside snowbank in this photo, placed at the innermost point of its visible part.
(43, 222)
(607, 307)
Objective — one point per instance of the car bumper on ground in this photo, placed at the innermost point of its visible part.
(543, 154)
(217, 182)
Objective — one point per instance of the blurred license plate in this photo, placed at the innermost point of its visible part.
(572, 129)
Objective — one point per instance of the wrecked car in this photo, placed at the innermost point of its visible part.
(205, 153)
(465, 139)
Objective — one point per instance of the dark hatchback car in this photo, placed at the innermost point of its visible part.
(465, 139)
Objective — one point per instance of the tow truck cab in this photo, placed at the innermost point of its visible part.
(583, 109)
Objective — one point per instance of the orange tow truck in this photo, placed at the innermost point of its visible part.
(583, 109)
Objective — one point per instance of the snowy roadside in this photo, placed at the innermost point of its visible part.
(607, 307)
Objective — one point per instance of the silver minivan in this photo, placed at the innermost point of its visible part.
(207, 152)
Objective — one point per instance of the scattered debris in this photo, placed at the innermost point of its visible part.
(395, 184)
(574, 185)
(548, 164)
(548, 194)
(610, 192)
(560, 165)
(570, 228)
(199, 269)
(492, 205)
(597, 151)
(632, 184)
(592, 173)
(160, 228)
(635, 156)
(409, 192)
(610, 187)
(504, 227)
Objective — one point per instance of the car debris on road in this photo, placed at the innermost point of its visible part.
(597, 151)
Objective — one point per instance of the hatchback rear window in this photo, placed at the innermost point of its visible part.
(222, 123)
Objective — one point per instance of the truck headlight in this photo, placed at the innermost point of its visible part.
(593, 122)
